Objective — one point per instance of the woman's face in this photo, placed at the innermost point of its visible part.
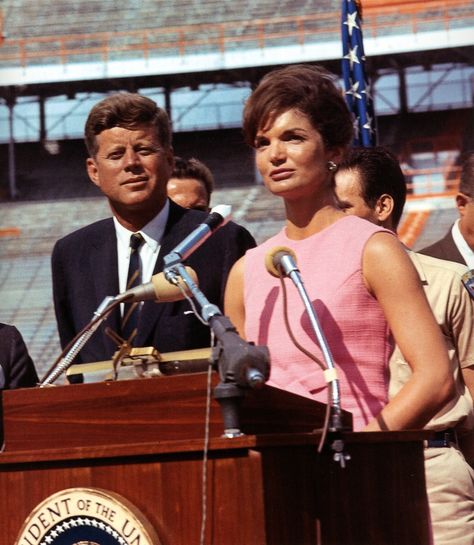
(291, 156)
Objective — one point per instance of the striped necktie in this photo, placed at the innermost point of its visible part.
(131, 311)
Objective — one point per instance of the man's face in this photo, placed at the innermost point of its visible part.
(188, 193)
(465, 205)
(348, 191)
(131, 168)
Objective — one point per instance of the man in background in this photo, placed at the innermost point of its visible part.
(371, 185)
(16, 366)
(191, 184)
(128, 138)
(458, 244)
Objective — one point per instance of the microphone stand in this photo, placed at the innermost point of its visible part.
(336, 414)
(240, 364)
(103, 310)
(335, 425)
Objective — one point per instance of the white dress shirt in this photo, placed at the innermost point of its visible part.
(462, 245)
(152, 233)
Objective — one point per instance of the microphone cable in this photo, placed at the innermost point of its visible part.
(178, 281)
(205, 452)
(310, 355)
(192, 304)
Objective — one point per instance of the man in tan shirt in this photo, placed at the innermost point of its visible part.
(370, 184)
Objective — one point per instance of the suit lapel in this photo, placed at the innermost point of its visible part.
(176, 229)
(103, 263)
(451, 250)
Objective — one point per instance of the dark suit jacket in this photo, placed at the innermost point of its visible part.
(446, 249)
(16, 367)
(85, 271)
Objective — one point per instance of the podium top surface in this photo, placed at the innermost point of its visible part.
(145, 411)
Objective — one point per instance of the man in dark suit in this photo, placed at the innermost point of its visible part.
(16, 367)
(131, 159)
(458, 244)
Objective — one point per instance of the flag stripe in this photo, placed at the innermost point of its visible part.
(356, 85)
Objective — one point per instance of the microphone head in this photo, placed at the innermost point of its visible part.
(224, 210)
(274, 257)
(219, 216)
(159, 289)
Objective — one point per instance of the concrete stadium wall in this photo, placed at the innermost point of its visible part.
(42, 176)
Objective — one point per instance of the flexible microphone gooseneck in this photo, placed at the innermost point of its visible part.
(158, 289)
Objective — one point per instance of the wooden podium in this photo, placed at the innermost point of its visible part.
(144, 439)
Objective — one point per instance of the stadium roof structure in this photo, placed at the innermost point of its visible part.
(95, 46)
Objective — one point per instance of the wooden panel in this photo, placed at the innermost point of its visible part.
(143, 410)
(274, 494)
(167, 492)
(382, 489)
(143, 439)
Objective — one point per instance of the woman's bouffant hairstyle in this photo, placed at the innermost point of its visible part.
(127, 110)
(309, 89)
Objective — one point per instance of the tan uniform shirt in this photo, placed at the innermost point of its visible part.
(454, 311)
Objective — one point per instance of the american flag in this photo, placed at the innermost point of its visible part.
(356, 87)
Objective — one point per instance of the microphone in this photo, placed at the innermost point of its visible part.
(158, 289)
(281, 261)
(218, 217)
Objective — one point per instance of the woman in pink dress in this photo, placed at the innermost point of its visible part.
(362, 285)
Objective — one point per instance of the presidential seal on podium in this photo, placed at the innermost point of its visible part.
(86, 516)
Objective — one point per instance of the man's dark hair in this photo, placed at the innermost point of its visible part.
(379, 173)
(193, 168)
(127, 110)
(309, 89)
(467, 175)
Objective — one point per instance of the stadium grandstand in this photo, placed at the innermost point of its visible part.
(199, 60)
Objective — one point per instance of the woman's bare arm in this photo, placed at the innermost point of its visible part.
(393, 280)
(234, 306)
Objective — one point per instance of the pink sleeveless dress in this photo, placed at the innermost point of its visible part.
(350, 317)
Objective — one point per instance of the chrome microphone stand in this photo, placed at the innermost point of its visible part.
(289, 268)
(282, 261)
(240, 364)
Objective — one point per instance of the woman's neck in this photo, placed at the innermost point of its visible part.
(303, 219)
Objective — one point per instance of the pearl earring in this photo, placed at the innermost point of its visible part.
(331, 166)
